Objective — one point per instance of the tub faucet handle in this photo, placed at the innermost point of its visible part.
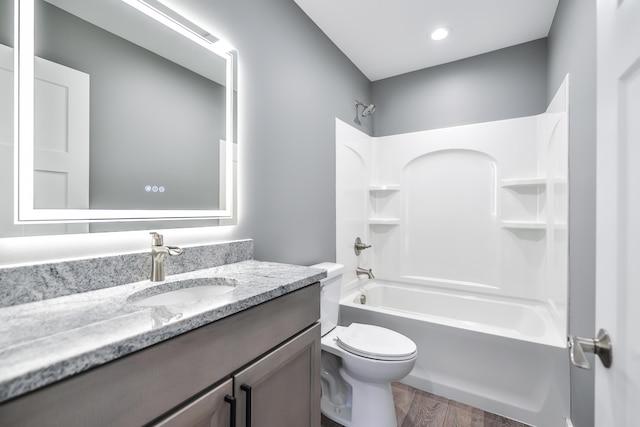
(358, 246)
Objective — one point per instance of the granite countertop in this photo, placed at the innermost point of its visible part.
(46, 341)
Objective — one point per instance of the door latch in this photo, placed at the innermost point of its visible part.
(600, 346)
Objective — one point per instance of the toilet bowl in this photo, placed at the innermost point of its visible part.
(359, 362)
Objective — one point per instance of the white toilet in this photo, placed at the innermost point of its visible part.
(359, 362)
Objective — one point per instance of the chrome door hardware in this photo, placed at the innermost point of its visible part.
(601, 346)
(358, 246)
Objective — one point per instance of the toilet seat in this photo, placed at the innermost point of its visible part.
(375, 342)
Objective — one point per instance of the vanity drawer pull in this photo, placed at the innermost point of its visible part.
(247, 389)
(231, 400)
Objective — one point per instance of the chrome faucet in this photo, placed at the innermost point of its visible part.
(158, 252)
(365, 272)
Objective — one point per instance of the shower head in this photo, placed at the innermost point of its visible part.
(367, 109)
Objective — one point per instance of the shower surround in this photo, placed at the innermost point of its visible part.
(469, 216)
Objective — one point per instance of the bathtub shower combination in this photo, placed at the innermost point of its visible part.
(468, 227)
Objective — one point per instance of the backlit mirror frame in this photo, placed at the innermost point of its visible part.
(24, 54)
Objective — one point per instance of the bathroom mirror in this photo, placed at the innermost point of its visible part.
(125, 112)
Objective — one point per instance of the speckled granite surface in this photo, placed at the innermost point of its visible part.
(45, 341)
(21, 285)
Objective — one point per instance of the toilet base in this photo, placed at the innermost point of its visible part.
(372, 403)
(367, 404)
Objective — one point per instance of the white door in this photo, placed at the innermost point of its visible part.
(61, 173)
(618, 210)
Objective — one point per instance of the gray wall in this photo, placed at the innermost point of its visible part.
(572, 49)
(293, 82)
(498, 85)
(152, 121)
(6, 22)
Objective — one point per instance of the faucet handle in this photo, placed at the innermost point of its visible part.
(156, 239)
(174, 250)
(358, 246)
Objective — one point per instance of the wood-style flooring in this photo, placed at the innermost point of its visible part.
(416, 408)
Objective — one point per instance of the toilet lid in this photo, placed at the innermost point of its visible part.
(375, 342)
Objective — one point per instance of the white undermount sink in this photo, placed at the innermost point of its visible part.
(183, 292)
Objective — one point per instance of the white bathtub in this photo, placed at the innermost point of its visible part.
(498, 355)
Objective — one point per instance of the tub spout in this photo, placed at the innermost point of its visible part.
(366, 272)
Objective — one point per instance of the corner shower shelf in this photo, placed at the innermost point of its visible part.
(384, 221)
(383, 188)
(529, 192)
(527, 182)
(381, 214)
(524, 225)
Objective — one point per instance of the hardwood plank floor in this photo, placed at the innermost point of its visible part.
(416, 408)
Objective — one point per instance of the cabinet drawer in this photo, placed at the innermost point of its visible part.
(209, 410)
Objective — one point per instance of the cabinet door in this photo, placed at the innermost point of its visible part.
(209, 410)
(283, 387)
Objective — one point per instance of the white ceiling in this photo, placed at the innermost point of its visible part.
(385, 38)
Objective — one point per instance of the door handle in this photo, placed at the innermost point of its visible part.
(600, 346)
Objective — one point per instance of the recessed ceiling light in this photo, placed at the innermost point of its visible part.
(440, 33)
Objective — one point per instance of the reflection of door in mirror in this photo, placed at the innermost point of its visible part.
(61, 173)
(154, 123)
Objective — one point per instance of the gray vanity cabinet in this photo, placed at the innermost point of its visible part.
(280, 389)
(273, 347)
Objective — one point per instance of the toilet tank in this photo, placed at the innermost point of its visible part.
(330, 296)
